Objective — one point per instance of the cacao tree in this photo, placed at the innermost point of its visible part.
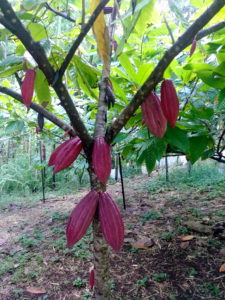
(63, 72)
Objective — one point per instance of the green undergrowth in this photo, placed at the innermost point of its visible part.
(203, 176)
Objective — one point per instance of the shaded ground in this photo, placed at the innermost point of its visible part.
(174, 246)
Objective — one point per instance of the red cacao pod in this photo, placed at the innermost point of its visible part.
(111, 222)
(92, 279)
(27, 87)
(153, 115)
(193, 47)
(169, 102)
(81, 217)
(64, 155)
(101, 159)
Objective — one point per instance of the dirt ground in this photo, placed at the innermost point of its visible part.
(174, 247)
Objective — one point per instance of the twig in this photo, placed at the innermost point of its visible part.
(59, 13)
(39, 109)
(169, 30)
(219, 152)
(157, 74)
(83, 15)
(80, 38)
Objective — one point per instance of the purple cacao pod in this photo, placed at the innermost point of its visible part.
(81, 217)
(111, 222)
(169, 102)
(64, 155)
(101, 159)
(27, 88)
(153, 115)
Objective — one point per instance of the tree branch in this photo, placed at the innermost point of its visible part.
(157, 74)
(80, 38)
(39, 109)
(13, 24)
(59, 13)
(210, 30)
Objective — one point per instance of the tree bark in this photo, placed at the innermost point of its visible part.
(101, 264)
(102, 289)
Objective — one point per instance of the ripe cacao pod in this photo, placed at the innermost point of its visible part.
(81, 217)
(153, 115)
(111, 222)
(101, 159)
(27, 87)
(64, 155)
(169, 102)
(193, 47)
(92, 279)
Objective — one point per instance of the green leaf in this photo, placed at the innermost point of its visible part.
(143, 72)
(145, 16)
(158, 147)
(10, 61)
(127, 66)
(207, 154)
(37, 31)
(11, 71)
(90, 73)
(141, 158)
(214, 80)
(14, 127)
(150, 159)
(2, 50)
(197, 146)
(120, 137)
(30, 4)
(42, 88)
(178, 138)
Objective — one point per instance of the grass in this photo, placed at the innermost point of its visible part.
(204, 176)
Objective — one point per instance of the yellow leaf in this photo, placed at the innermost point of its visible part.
(102, 36)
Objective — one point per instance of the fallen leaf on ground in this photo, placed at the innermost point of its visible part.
(222, 268)
(184, 245)
(35, 290)
(198, 227)
(143, 244)
(186, 238)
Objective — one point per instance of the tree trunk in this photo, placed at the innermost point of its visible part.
(102, 289)
(101, 264)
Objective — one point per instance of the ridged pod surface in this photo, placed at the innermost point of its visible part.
(64, 155)
(81, 217)
(169, 102)
(153, 115)
(27, 88)
(111, 222)
(101, 159)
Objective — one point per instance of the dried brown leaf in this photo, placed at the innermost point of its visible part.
(222, 268)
